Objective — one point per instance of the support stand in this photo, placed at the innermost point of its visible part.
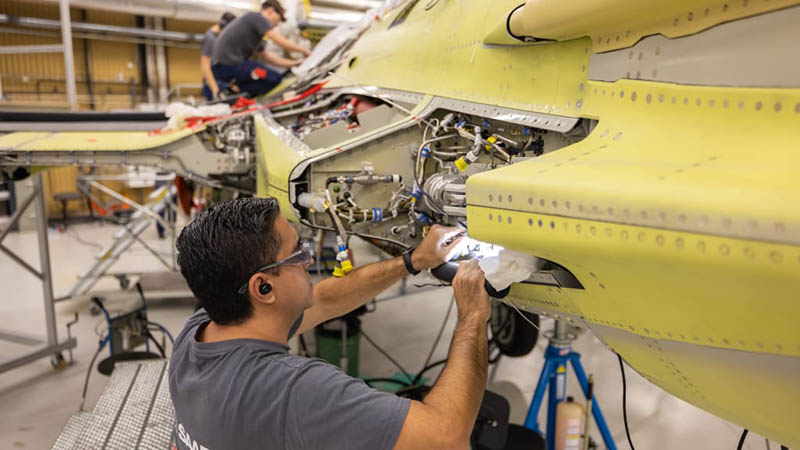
(554, 374)
(51, 346)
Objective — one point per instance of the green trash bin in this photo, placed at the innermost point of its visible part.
(329, 343)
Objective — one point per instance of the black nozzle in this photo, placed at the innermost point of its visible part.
(447, 271)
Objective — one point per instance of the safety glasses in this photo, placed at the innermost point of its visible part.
(303, 257)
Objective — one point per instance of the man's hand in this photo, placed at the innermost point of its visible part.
(471, 297)
(433, 250)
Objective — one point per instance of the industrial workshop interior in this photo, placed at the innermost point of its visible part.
(400, 224)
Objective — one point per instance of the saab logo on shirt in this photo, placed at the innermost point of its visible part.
(187, 440)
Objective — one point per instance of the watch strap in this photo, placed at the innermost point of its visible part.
(407, 261)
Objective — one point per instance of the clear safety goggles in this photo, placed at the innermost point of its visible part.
(302, 257)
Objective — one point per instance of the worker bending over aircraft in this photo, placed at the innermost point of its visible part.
(210, 86)
(232, 380)
(245, 36)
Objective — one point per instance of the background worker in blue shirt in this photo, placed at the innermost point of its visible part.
(210, 86)
(245, 36)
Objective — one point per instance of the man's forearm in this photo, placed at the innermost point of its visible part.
(284, 43)
(208, 74)
(278, 60)
(458, 392)
(336, 296)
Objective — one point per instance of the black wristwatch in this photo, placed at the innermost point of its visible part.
(407, 261)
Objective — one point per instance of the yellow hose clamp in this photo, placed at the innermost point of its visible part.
(461, 164)
(491, 140)
(337, 271)
(347, 266)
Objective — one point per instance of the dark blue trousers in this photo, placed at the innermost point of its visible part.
(243, 75)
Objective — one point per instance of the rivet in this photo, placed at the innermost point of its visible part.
(610, 211)
(630, 54)
(621, 93)
(749, 253)
(618, 135)
(660, 239)
(674, 99)
(685, 100)
(675, 22)
(725, 7)
(554, 203)
(491, 216)
(711, 103)
(660, 98)
(727, 222)
(499, 218)
(725, 103)
(724, 249)
(624, 235)
(797, 108)
(509, 198)
(540, 223)
(530, 222)
(707, 11)
(490, 197)
(552, 225)
(541, 202)
(778, 106)
(740, 104)
(602, 286)
(509, 219)
(701, 247)
(566, 205)
(776, 256)
(690, 17)
(530, 200)
(780, 227)
(633, 96)
(644, 214)
(648, 98)
(759, 105)
(500, 198)
(578, 230)
(679, 242)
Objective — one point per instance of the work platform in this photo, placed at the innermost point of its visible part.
(134, 411)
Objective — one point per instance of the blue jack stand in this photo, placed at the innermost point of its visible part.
(554, 373)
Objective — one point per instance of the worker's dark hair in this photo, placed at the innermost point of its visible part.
(226, 19)
(276, 5)
(221, 248)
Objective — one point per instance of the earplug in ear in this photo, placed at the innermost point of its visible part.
(264, 288)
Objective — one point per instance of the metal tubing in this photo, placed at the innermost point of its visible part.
(34, 22)
(21, 262)
(161, 63)
(69, 62)
(558, 389)
(130, 202)
(37, 353)
(44, 259)
(575, 359)
(18, 214)
(19, 338)
(25, 49)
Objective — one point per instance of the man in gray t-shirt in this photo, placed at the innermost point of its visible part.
(210, 86)
(244, 37)
(233, 383)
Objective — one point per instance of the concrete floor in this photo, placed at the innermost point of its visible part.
(37, 401)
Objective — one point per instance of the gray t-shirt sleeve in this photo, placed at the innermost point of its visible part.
(329, 409)
(207, 46)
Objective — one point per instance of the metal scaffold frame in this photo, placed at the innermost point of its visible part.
(50, 346)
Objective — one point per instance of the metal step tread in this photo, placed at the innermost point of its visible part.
(134, 411)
